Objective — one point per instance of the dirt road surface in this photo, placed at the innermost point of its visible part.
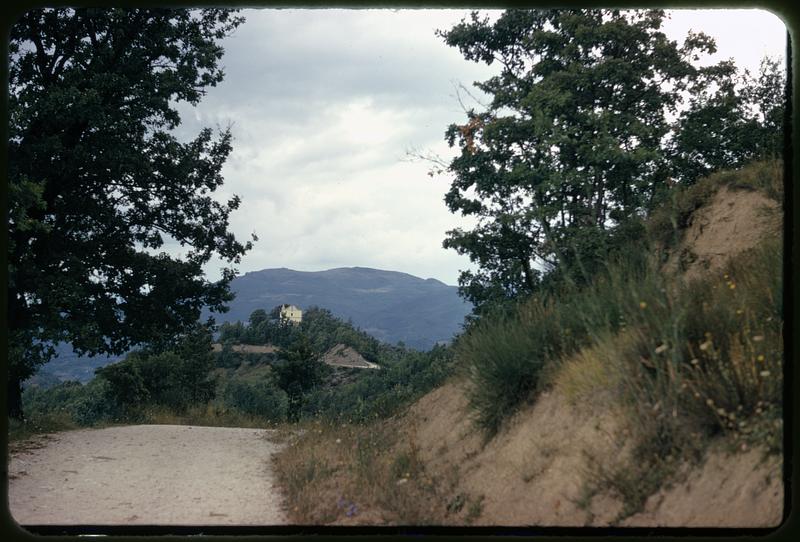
(146, 475)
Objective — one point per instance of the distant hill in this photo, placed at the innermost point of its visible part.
(67, 365)
(389, 305)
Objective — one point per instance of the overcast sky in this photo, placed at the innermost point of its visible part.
(324, 106)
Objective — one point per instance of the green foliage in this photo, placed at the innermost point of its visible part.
(260, 329)
(175, 378)
(324, 331)
(73, 403)
(503, 366)
(695, 360)
(98, 181)
(734, 122)
(319, 327)
(257, 317)
(184, 384)
(299, 370)
(690, 359)
(262, 398)
(570, 146)
(707, 357)
(377, 394)
(580, 141)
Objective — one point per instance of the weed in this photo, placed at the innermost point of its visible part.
(475, 509)
(455, 504)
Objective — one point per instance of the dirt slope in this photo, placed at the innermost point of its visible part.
(145, 474)
(534, 471)
(530, 473)
(733, 220)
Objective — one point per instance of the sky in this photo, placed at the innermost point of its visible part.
(327, 107)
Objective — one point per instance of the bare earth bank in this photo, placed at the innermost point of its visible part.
(146, 474)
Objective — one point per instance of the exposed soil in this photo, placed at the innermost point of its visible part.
(731, 490)
(146, 474)
(534, 472)
(345, 356)
(539, 469)
(248, 348)
(733, 221)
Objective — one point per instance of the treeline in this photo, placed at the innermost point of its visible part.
(599, 139)
(322, 329)
(364, 394)
(187, 382)
(592, 118)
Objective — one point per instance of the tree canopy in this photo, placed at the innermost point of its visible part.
(99, 185)
(736, 121)
(573, 148)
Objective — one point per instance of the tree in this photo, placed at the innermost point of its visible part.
(766, 95)
(98, 182)
(299, 371)
(730, 123)
(177, 376)
(258, 317)
(570, 146)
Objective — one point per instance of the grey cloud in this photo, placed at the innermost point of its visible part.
(323, 105)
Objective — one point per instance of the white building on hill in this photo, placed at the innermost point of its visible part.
(291, 313)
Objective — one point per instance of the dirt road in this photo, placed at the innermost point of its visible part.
(146, 475)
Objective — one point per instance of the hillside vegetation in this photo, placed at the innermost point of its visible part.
(390, 306)
(616, 401)
(188, 383)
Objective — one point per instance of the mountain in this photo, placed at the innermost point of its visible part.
(389, 305)
(67, 365)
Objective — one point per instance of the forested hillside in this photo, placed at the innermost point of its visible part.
(390, 306)
(188, 382)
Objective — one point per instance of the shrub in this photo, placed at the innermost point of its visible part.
(706, 357)
(377, 394)
(70, 404)
(502, 360)
(175, 378)
(263, 399)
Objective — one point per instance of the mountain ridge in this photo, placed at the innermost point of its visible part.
(392, 306)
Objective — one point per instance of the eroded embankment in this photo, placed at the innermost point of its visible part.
(537, 471)
(569, 456)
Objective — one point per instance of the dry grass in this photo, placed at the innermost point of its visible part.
(51, 423)
(365, 475)
(591, 376)
(211, 415)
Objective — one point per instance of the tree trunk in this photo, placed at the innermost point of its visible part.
(14, 398)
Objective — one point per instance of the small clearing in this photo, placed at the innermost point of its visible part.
(146, 475)
(248, 348)
(345, 356)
